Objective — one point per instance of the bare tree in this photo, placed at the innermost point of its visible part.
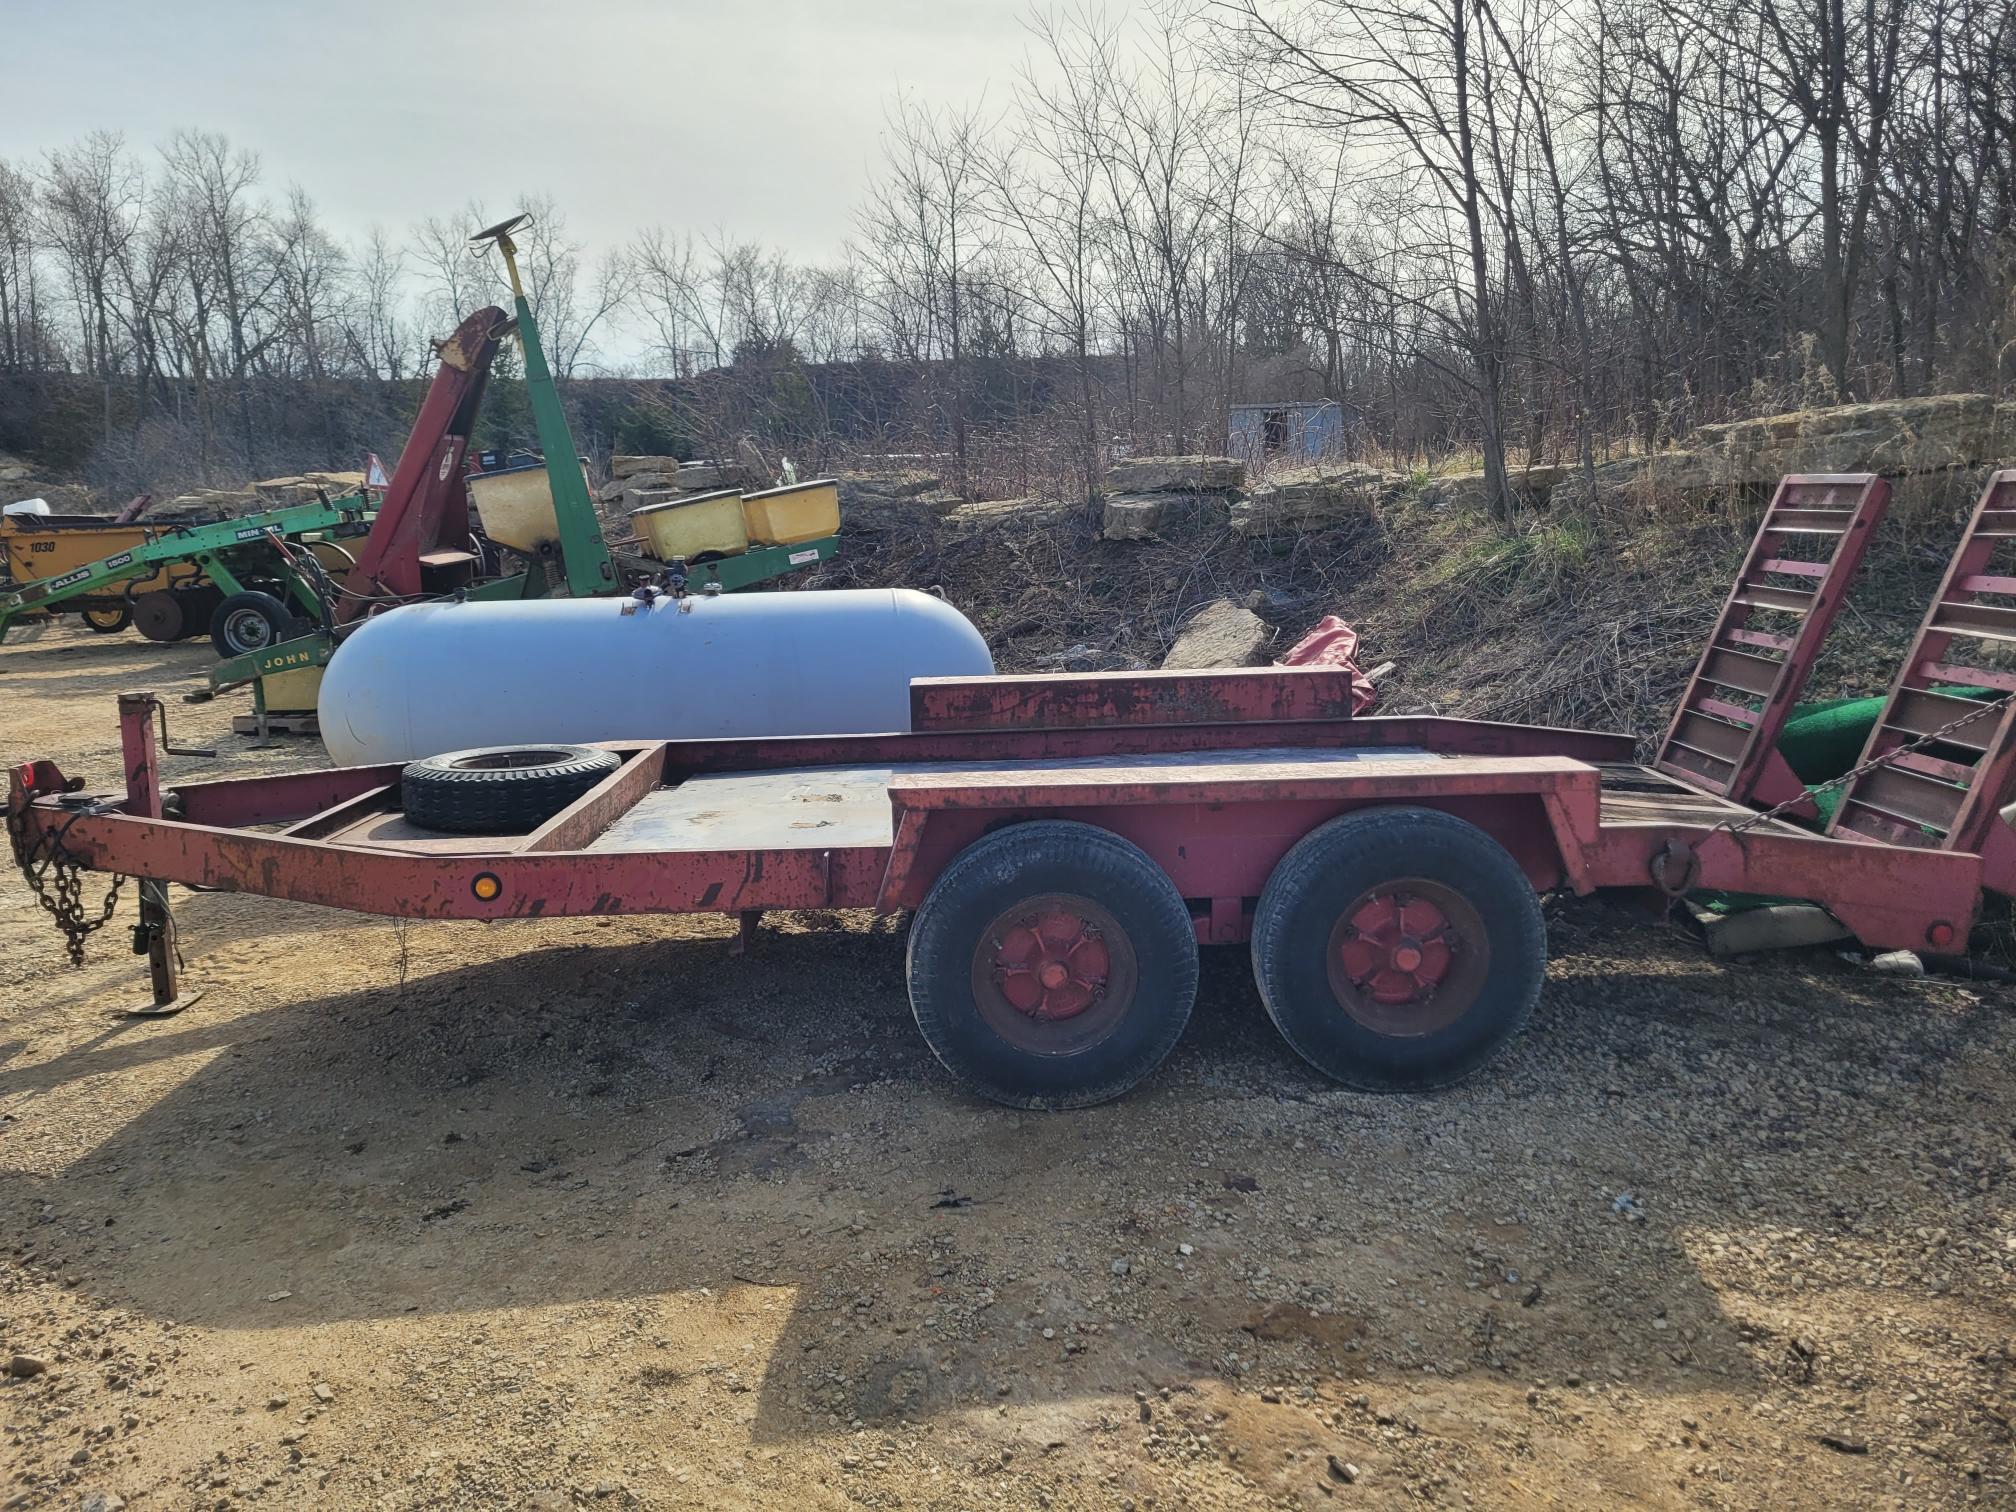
(925, 230)
(1417, 77)
(23, 341)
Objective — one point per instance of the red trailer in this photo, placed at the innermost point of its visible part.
(1067, 843)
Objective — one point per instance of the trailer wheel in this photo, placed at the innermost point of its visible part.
(250, 621)
(1053, 965)
(504, 790)
(108, 621)
(1398, 948)
(158, 615)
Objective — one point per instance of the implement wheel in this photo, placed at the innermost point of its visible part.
(250, 621)
(1053, 965)
(158, 615)
(1398, 948)
(108, 621)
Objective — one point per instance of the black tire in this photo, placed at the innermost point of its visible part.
(106, 621)
(199, 604)
(250, 621)
(159, 616)
(1358, 974)
(502, 790)
(1115, 1015)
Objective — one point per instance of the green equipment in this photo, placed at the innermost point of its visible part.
(249, 581)
(420, 544)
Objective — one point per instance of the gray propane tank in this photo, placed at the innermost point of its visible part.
(428, 678)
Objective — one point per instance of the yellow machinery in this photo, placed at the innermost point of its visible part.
(737, 539)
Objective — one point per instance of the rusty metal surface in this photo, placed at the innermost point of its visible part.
(1450, 736)
(577, 825)
(1893, 899)
(426, 508)
(139, 754)
(1216, 819)
(1077, 699)
(814, 807)
(1730, 747)
(1960, 805)
(412, 884)
(279, 799)
(1241, 776)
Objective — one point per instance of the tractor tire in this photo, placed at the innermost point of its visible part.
(501, 790)
(1398, 949)
(107, 621)
(1052, 965)
(250, 621)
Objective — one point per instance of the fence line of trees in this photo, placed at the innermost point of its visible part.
(1538, 228)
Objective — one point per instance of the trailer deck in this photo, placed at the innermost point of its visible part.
(1066, 844)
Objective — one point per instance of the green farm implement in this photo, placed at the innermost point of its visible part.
(247, 581)
(422, 544)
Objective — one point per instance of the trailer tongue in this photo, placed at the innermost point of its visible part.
(1067, 843)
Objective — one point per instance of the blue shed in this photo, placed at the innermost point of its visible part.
(1291, 430)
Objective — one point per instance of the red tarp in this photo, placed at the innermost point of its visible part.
(1334, 644)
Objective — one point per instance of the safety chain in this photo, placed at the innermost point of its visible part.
(1986, 708)
(57, 881)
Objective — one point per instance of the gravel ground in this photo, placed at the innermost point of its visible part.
(593, 1213)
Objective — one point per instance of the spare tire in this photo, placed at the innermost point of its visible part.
(499, 790)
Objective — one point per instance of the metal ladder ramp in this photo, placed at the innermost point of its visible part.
(1724, 735)
(1949, 800)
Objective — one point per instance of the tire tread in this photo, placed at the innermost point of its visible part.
(1386, 830)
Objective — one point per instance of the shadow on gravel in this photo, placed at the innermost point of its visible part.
(628, 1121)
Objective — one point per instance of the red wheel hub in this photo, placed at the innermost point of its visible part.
(1395, 947)
(1051, 964)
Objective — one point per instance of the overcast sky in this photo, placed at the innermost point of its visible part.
(759, 115)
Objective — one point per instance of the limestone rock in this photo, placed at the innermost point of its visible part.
(1333, 495)
(1672, 476)
(701, 477)
(1892, 436)
(622, 466)
(1134, 516)
(996, 509)
(1221, 634)
(752, 469)
(1532, 485)
(1175, 475)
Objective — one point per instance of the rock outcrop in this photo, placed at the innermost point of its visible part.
(1146, 495)
(1175, 475)
(1894, 437)
(1338, 494)
(1142, 516)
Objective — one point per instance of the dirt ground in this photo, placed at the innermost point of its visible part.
(593, 1213)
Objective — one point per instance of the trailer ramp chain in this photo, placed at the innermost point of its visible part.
(57, 880)
(1673, 852)
(1987, 706)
